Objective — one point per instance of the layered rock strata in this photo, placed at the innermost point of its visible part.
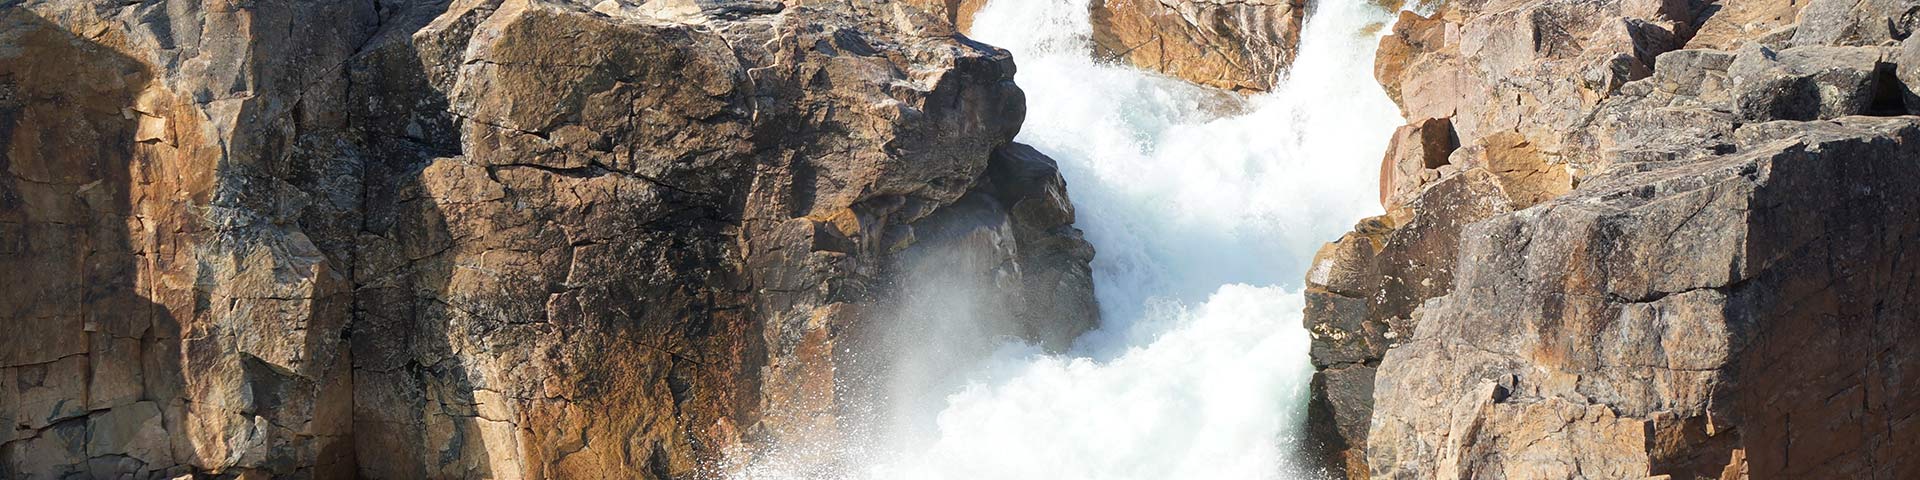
(504, 238)
(1661, 241)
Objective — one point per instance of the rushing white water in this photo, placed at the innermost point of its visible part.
(1203, 225)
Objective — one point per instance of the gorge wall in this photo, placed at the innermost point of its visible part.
(502, 238)
(1633, 239)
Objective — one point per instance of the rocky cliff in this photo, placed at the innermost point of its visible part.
(1633, 239)
(506, 238)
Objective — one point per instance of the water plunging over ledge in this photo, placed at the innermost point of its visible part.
(1204, 227)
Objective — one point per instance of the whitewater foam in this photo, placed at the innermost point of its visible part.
(1204, 226)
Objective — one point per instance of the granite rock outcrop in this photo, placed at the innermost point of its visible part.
(503, 238)
(1239, 45)
(958, 13)
(1686, 257)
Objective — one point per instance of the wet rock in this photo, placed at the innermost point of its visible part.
(1054, 257)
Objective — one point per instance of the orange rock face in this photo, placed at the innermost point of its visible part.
(162, 320)
(511, 239)
(956, 12)
(1233, 45)
(1414, 149)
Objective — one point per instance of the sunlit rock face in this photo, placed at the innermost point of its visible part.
(517, 239)
(959, 13)
(1687, 232)
(1242, 45)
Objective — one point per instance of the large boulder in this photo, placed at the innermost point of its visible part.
(1241, 45)
(957, 12)
(706, 210)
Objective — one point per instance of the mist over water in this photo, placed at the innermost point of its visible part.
(1204, 225)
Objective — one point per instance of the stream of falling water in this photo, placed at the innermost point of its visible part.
(1204, 226)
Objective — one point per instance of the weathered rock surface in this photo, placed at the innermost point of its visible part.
(1730, 24)
(167, 311)
(1038, 265)
(1531, 67)
(1416, 148)
(505, 238)
(959, 13)
(1855, 23)
(1229, 44)
(1656, 321)
(1362, 292)
(1686, 253)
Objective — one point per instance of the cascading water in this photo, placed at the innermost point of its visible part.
(1203, 225)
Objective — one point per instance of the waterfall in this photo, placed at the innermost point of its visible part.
(1204, 225)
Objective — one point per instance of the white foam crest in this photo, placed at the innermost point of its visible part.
(1177, 202)
(1205, 400)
